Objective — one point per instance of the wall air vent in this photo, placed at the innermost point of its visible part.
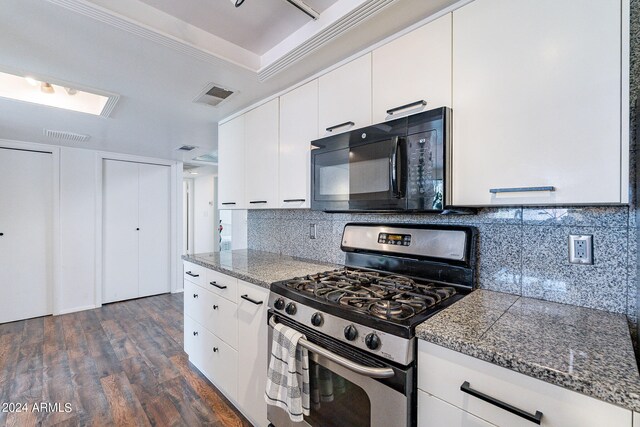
(187, 148)
(214, 94)
(66, 136)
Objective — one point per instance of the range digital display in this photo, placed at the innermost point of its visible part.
(394, 239)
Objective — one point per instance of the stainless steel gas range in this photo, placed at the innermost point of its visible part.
(359, 321)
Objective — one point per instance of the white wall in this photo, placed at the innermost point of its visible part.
(77, 230)
(203, 214)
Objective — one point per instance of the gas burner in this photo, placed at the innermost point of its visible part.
(391, 310)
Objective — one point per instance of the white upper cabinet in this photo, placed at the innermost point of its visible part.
(231, 165)
(298, 127)
(345, 97)
(261, 142)
(413, 68)
(537, 103)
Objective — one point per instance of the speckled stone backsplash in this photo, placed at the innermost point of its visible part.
(522, 251)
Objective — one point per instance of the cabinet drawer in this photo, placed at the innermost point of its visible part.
(194, 273)
(223, 285)
(433, 412)
(441, 373)
(220, 364)
(215, 313)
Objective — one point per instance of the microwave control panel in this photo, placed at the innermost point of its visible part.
(421, 151)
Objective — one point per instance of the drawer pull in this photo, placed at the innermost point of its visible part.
(228, 203)
(404, 107)
(293, 200)
(195, 334)
(188, 273)
(215, 307)
(332, 128)
(251, 300)
(521, 189)
(195, 295)
(258, 202)
(536, 418)
(215, 349)
(217, 286)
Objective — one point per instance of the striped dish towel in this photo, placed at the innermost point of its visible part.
(288, 373)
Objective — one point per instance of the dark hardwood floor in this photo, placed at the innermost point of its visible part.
(119, 365)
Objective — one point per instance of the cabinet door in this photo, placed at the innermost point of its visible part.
(25, 234)
(298, 127)
(252, 352)
(261, 141)
(120, 237)
(536, 101)
(415, 67)
(345, 97)
(231, 164)
(154, 222)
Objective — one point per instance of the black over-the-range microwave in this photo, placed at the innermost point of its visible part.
(399, 165)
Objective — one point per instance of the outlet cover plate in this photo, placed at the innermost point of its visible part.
(581, 249)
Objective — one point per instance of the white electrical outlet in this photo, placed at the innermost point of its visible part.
(580, 249)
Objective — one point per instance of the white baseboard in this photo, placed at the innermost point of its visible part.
(75, 309)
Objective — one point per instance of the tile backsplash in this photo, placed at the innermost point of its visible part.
(521, 251)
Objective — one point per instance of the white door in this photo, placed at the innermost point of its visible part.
(25, 234)
(120, 234)
(231, 164)
(298, 127)
(154, 219)
(345, 97)
(414, 68)
(261, 141)
(252, 351)
(536, 102)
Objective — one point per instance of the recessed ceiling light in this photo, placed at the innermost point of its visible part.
(46, 92)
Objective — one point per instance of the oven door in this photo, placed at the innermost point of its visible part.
(359, 177)
(344, 394)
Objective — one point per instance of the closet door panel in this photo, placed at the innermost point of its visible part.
(120, 237)
(155, 225)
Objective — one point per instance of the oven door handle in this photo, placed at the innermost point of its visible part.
(344, 362)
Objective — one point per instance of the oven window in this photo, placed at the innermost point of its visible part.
(335, 401)
(355, 173)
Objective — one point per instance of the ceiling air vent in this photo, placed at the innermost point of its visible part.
(213, 94)
(187, 148)
(66, 136)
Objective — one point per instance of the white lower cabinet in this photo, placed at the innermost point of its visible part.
(225, 336)
(442, 372)
(438, 413)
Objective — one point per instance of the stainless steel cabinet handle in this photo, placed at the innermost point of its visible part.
(520, 189)
(404, 107)
(332, 128)
(534, 418)
(346, 363)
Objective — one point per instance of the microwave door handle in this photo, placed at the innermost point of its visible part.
(342, 361)
(394, 168)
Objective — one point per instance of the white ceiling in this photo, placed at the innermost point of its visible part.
(156, 82)
(257, 25)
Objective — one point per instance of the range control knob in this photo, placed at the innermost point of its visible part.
(372, 341)
(350, 332)
(316, 319)
(279, 304)
(291, 309)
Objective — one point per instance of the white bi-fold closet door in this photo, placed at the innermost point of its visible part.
(136, 230)
(26, 207)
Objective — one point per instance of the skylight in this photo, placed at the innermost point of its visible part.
(32, 89)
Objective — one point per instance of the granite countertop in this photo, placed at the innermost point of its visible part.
(258, 267)
(581, 349)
